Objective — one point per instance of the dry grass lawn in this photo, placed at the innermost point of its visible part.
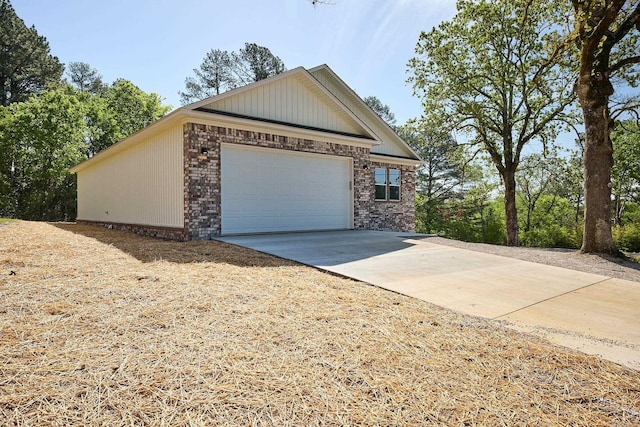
(103, 327)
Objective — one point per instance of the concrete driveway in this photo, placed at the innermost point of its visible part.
(591, 313)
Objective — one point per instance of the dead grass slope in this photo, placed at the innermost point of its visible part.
(104, 327)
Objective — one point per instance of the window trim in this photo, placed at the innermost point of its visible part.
(387, 185)
(376, 185)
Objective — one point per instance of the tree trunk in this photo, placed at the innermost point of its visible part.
(511, 213)
(593, 93)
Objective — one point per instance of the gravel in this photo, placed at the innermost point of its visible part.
(567, 258)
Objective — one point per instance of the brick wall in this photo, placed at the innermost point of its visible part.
(202, 172)
(168, 233)
(395, 215)
(202, 179)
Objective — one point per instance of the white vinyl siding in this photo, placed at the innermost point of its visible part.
(141, 185)
(290, 100)
(270, 190)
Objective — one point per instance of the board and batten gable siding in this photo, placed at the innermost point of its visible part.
(140, 185)
(387, 147)
(290, 100)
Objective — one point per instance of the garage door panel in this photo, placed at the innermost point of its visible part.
(268, 190)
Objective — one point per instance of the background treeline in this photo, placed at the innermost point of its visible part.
(52, 118)
(461, 197)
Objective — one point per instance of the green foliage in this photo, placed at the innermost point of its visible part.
(547, 217)
(480, 223)
(212, 78)
(438, 178)
(222, 70)
(380, 109)
(492, 74)
(41, 138)
(625, 173)
(131, 108)
(627, 237)
(254, 63)
(26, 65)
(85, 78)
(493, 224)
(553, 236)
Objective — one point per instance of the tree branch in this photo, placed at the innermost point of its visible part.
(623, 63)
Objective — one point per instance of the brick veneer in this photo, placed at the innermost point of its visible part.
(168, 233)
(202, 172)
(202, 179)
(400, 215)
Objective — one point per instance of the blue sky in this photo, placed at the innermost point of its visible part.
(157, 43)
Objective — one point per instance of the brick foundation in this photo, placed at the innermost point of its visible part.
(167, 233)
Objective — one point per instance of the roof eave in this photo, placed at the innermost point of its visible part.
(364, 105)
(247, 123)
(132, 139)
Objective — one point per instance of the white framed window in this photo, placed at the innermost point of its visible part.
(387, 184)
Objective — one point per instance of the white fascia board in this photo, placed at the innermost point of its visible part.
(395, 160)
(249, 124)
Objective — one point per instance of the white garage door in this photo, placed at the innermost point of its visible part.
(268, 190)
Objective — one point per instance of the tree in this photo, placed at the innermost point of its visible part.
(606, 34)
(570, 183)
(102, 126)
(254, 63)
(41, 139)
(26, 65)
(492, 73)
(221, 71)
(546, 218)
(439, 177)
(213, 77)
(381, 109)
(132, 108)
(625, 173)
(85, 78)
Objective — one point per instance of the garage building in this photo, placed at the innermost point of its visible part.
(299, 151)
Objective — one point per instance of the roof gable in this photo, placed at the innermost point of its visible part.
(392, 144)
(293, 97)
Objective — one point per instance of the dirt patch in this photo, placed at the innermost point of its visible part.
(105, 327)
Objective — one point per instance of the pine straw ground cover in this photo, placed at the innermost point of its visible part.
(103, 327)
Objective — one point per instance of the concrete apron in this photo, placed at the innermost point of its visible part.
(594, 314)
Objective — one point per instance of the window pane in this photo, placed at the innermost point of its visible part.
(394, 177)
(381, 176)
(381, 192)
(394, 192)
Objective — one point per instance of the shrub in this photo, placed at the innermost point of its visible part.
(553, 236)
(627, 237)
